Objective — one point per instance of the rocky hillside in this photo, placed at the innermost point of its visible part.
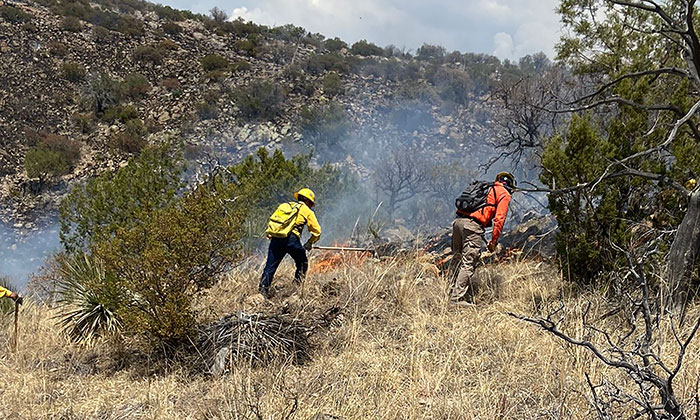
(86, 85)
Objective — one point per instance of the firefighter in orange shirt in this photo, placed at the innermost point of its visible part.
(468, 235)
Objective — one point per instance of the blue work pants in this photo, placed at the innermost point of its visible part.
(279, 247)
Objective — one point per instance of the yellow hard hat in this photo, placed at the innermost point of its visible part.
(691, 183)
(507, 178)
(306, 193)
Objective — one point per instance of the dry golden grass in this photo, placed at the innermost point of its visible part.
(396, 352)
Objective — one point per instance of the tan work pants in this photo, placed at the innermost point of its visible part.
(467, 237)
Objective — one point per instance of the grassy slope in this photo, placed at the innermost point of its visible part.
(397, 353)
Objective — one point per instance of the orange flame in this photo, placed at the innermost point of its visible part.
(331, 260)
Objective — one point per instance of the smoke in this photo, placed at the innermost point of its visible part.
(23, 253)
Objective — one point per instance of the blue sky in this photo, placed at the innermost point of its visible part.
(505, 28)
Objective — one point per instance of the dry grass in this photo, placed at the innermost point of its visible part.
(396, 352)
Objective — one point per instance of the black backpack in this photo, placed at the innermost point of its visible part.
(473, 198)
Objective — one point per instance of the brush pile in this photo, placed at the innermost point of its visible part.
(254, 339)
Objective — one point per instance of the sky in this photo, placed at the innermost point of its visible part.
(508, 29)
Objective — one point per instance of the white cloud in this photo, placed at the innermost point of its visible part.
(506, 28)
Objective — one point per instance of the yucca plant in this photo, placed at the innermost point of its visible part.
(257, 339)
(90, 298)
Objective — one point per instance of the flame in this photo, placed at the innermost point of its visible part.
(331, 260)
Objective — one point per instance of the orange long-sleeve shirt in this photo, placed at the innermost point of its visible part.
(496, 210)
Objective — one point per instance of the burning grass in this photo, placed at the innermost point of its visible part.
(392, 351)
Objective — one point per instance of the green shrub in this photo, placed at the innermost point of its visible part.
(240, 66)
(317, 64)
(214, 62)
(207, 110)
(14, 14)
(148, 54)
(53, 156)
(332, 84)
(102, 92)
(120, 113)
(94, 211)
(106, 19)
(84, 122)
(251, 46)
(325, 125)
(71, 24)
(135, 86)
(167, 45)
(453, 85)
(366, 49)
(101, 34)
(172, 28)
(334, 45)
(58, 49)
(168, 13)
(434, 53)
(260, 100)
(73, 72)
(154, 249)
(133, 139)
(130, 26)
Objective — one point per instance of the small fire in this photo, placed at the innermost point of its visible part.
(331, 260)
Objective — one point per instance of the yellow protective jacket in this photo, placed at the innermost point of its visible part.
(307, 217)
(4, 292)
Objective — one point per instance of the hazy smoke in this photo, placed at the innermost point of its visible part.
(22, 254)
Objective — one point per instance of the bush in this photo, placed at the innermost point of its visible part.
(150, 285)
(261, 100)
(334, 45)
(434, 53)
(58, 49)
(71, 24)
(135, 86)
(84, 122)
(454, 85)
(130, 26)
(317, 64)
(148, 54)
(101, 34)
(120, 113)
(332, 84)
(207, 110)
(168, 13)
(73, 72)
(240, 66)
(325, 125)
(366, 49)
(14, 14)
(167, 45)
(246, 46)
(133, 139)
(214, 62)
(101, 93)
(171, 28)
(53, 156)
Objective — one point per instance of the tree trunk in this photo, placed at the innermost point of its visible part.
(684, 253)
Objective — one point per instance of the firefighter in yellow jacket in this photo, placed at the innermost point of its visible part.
(291, 244)
(12, 295)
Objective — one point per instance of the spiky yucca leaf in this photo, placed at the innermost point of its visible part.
(90, 298)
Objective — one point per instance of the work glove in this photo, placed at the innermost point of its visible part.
(17, 298)
(491, 246)
(308, 246)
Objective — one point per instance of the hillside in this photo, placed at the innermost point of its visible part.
(97, 81)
